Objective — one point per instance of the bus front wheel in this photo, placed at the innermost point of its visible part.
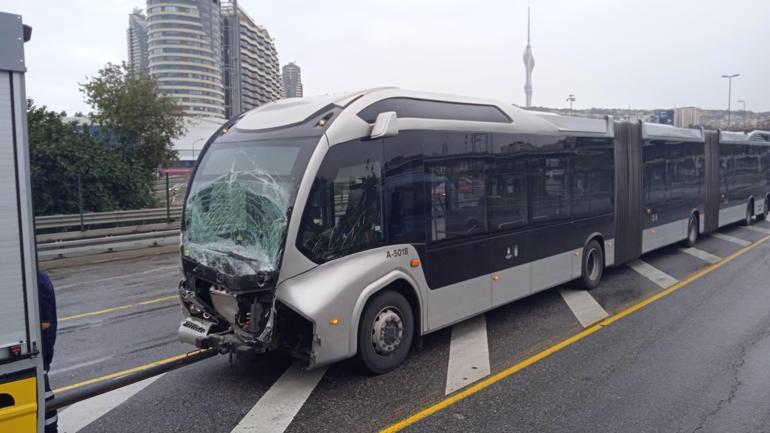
(593, 265)
(385, 332)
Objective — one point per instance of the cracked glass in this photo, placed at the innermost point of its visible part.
(240, 200)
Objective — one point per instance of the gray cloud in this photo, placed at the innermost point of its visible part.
(609, 53)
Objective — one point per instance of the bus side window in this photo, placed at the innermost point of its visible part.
(343, 212)
(456, 164)
(405, 188)
(507, 199)
(549, 180)
(593, 177)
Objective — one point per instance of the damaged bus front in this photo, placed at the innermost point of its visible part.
(234, 229)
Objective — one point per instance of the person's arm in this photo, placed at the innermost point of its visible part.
(47, 299)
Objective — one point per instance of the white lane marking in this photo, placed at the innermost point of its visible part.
(74, 418)
(468, 354)
(758, 229)
(118, 277)
(703, 255)
(280, 404)
(733, 239)
(583, 306)
(59, 371)
(653, 274)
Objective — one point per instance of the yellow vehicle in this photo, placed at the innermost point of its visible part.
(21, 363)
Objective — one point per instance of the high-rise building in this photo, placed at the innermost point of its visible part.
(529, 65)
(136, 35)
(292, 81)
(185, 53)
(251, 74)
(686, 117)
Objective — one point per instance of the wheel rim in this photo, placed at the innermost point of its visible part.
(387, 330)
(593, 267)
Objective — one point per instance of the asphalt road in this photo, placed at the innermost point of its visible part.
(697, 359)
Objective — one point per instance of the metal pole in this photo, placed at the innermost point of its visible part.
(729, 99)
(729, 95)
(168, 202)
(743, 114)
(80, 204)
(70, 397)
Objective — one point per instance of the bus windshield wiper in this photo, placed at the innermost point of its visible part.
(237, 256)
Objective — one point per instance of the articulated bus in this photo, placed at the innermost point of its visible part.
(350, 225)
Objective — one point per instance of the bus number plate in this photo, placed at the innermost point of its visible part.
(397, 252)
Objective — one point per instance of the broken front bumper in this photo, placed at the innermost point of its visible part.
(212, 322)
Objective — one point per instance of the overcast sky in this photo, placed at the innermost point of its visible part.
(609, 53)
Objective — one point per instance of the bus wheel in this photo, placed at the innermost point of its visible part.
(763, 215)
(749, 214)
(385, 332)
(593, 265)
(692, 232)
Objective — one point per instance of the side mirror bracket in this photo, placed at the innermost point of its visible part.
(386, 125)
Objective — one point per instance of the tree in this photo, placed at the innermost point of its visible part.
(61, 152)
(132, 108)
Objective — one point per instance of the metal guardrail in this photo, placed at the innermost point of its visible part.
(63, 235)
(105, 232)
(86, 247)
(107, 218)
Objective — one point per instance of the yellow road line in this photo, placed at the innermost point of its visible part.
(467, 392)
(121, 307)
(128, 371)
(156, 300)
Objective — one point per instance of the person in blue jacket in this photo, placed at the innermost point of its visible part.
(47, 300)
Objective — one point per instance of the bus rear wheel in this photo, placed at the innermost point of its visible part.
(749, 214)
(763, 215)
(385, 332)
(692, 232)
(593, 265)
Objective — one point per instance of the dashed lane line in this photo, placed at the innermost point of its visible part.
(585, 308)
(703, 255)
(758, 229)
(74, 418)
(118, 308)
(733, 239)
(280, 404)
(468, 354)
(116, 277)
(652, 273)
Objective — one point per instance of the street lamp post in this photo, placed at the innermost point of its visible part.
(729, 94)
(741, 101)
(193, 146)
(571, 98)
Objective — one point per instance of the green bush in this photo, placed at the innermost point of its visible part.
(60, 152)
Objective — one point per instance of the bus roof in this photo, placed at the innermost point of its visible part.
(753, 137)
(349, 124)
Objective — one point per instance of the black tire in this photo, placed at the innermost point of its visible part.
(385, 353)
(763, 215)
(692, 231)
(592, 267)
(749, 214)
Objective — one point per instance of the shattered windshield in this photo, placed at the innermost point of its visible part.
(237, 211)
